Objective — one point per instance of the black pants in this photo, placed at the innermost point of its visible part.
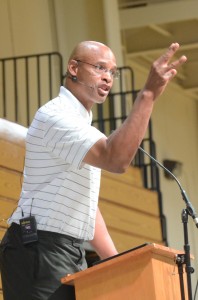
(33, 271)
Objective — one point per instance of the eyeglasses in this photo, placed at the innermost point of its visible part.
(100, 69)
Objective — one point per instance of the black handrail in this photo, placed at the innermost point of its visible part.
(16, 76)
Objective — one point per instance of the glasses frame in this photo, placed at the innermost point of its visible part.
(100, 69)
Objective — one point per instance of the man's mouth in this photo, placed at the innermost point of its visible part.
(103, 90)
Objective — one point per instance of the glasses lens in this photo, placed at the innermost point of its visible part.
(116, 74)
(100, 69)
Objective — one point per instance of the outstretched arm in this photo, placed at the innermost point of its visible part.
(116, 152)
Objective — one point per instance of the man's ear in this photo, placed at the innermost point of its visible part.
(73, 67)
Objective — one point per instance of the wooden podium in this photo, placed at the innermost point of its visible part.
(146, 273)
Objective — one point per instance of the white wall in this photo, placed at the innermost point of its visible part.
(25, 27)
(78, 20)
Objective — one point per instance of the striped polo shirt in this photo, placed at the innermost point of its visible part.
(59, 189)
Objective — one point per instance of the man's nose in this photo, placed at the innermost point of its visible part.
(107, 76)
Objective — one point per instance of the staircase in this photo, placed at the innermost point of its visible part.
(130, 211)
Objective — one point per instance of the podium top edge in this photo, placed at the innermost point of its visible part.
(147, 249)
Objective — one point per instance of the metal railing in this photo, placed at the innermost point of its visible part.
(25, 82)
(28, 81)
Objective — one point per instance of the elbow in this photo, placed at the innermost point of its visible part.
(122, 165)
(117, 163)
(122, 169)
(119, 168)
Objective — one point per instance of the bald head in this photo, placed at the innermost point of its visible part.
(86, 49)
(90, 72)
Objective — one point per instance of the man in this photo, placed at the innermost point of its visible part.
(64, 156)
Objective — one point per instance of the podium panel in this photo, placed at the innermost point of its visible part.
(147, 273)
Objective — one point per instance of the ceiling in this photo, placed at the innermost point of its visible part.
(149, 26)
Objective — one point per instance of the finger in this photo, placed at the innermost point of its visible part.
(171, 69)
(177, 63)
(170, 74)
(169, 54)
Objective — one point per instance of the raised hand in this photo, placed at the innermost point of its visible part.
(162, 71)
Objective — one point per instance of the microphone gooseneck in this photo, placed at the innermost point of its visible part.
(189, 207)
(184, 258)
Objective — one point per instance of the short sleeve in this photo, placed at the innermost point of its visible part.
(70, 137)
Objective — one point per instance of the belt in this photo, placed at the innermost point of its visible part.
(50, 235)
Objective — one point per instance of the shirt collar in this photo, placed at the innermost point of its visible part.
(76, 103)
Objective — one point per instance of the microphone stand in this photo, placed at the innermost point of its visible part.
(188, 211)
(189, 270)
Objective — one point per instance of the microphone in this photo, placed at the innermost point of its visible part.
(189, 206)
(75, 79)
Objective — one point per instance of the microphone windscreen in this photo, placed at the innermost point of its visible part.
(74, 78)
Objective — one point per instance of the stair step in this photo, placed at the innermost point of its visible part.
(125, 241)
(130, 221)
(131, 176)
(133, 197)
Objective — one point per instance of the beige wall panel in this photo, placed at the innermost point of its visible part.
(7, 207)
(6, 49)
(10, 184)
(130, 221)
(125, 241)
(11, 156)
(124, 194)
(76, 21)
(132, 176)
(31, 26)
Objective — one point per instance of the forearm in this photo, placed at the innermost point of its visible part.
(124, 142)
(102, 242)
